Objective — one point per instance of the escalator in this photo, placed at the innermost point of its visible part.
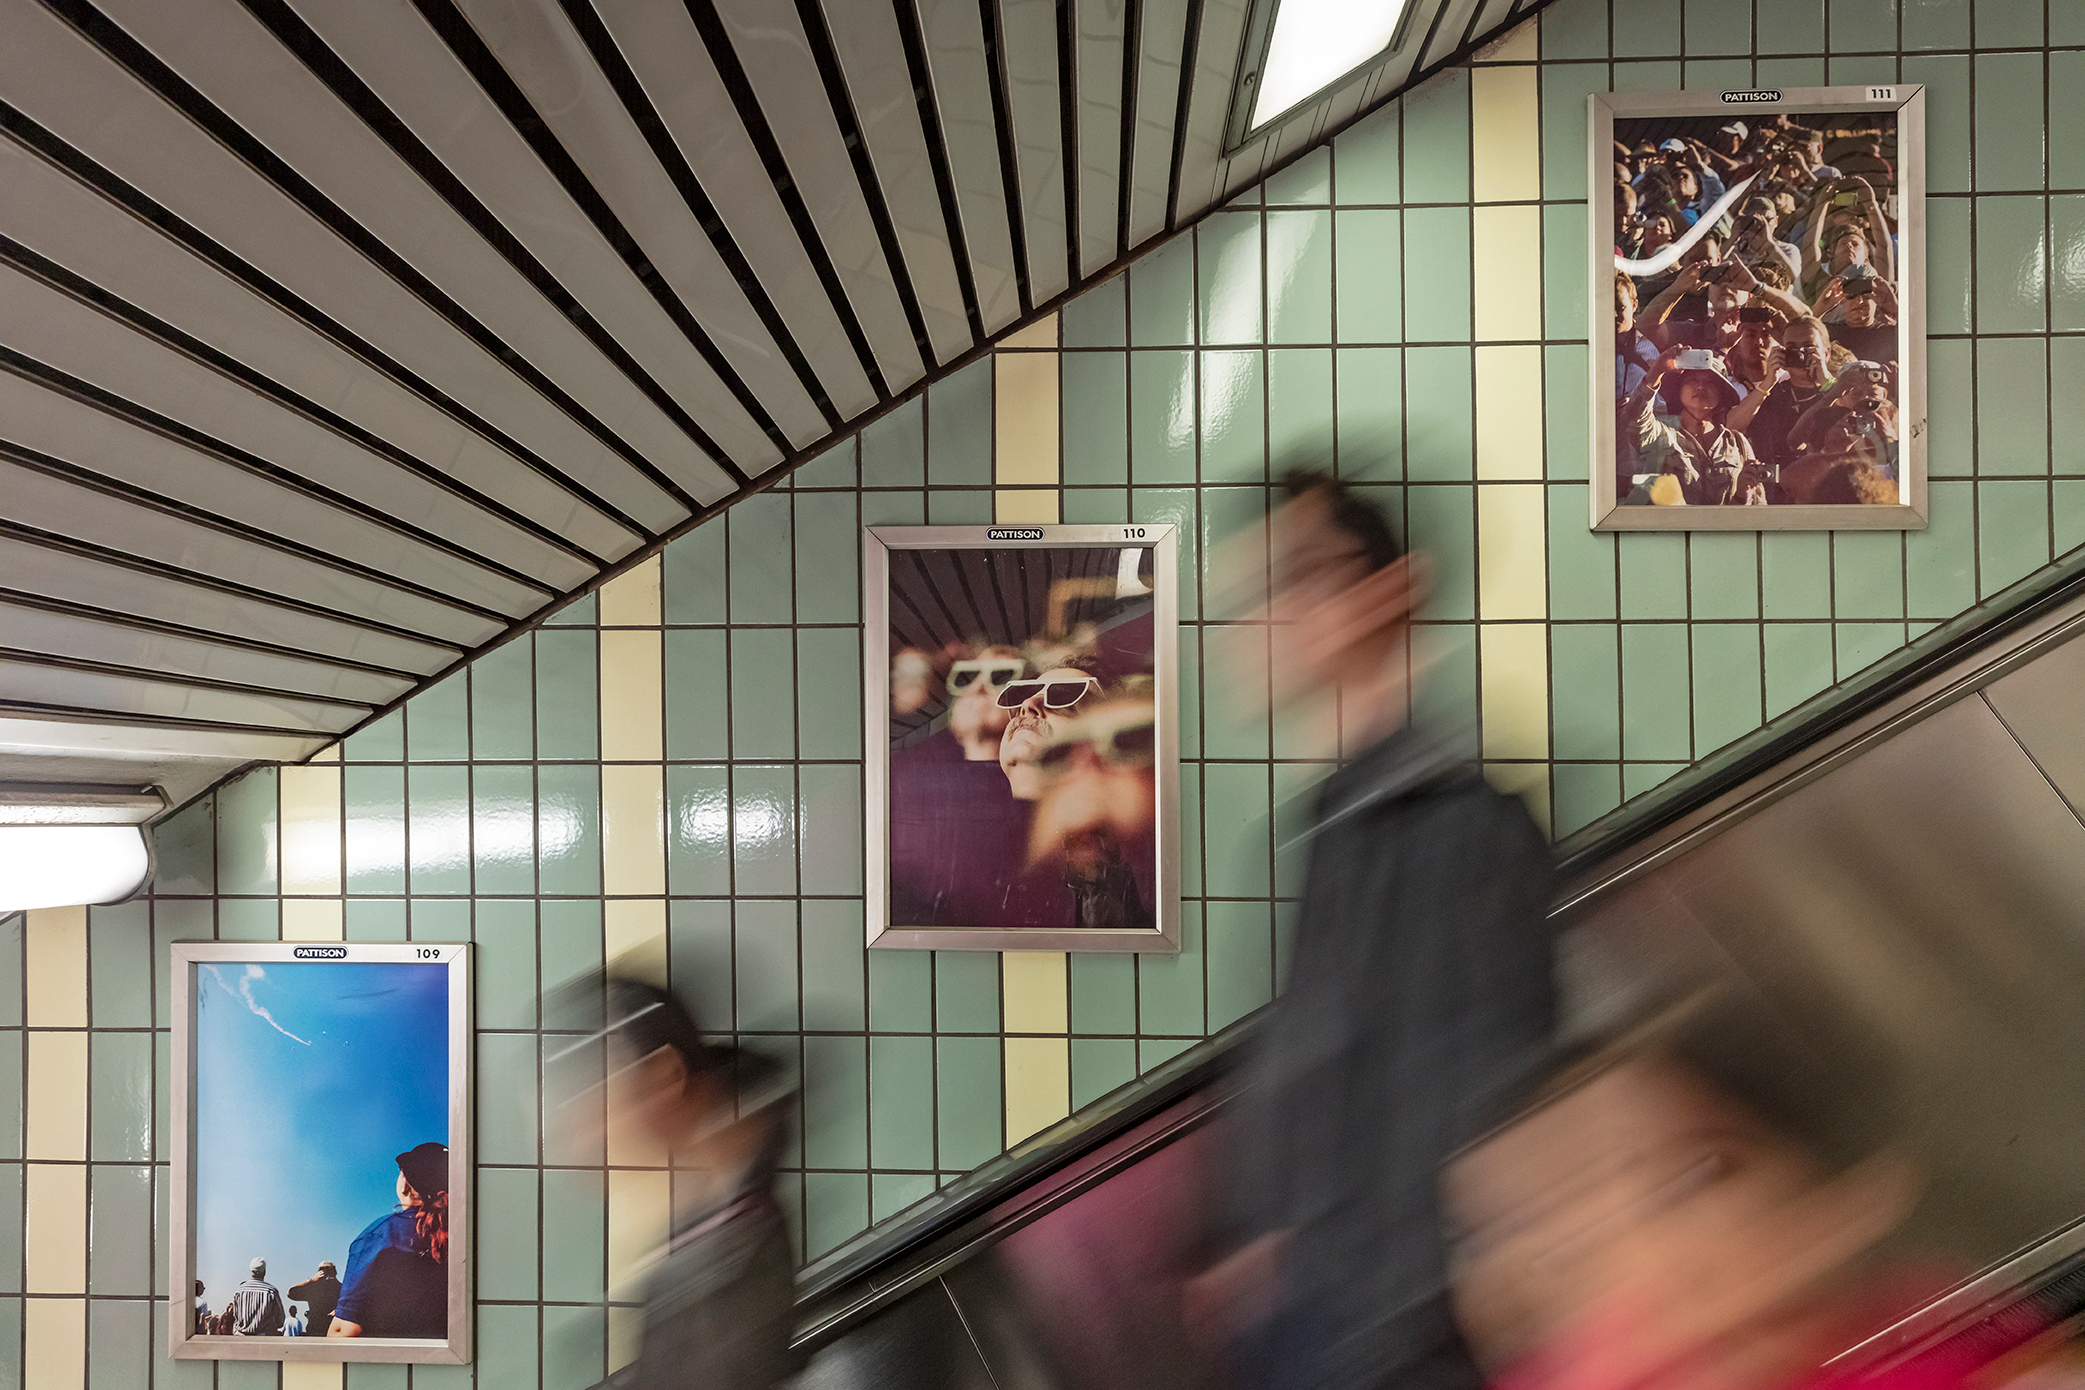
(1903, 861)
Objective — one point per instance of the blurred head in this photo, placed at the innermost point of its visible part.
(327, 1270)
(1624, 302)
(1657, 233)
(974, 715)
(1094, 780)
(1805, 350)
(1624, 208)
(1850, 249)
(1340, 587)
(1706, 250)
(257, 1267)
(663, 1077)
(1036, 719)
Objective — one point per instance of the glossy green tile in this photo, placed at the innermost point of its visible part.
(836, 1208)
(120, 1078)
(575, 1347)
(374, 919)
(1727, 684)
(570, 946)
(1440, 429)
(509, 1349)
(2012, 258)
(894, 509)
(580, 612)
(968, 1091)
(959, 426)
(11, 1121)
(1565, 87)
(1240, 945)
(1940, 561)
(1868, 574)
(1156, 1052)
(249, 919)
(901, 991)
(1299, 277)
(1861, 645)
(1307, 182)
(2067, 522)
(502, 685)
(2066, 133)
(828, 693)
(763, 681)
(1563, 271)
(120, 1348)
(167, 1373)
(119, 952)
(901, 1102)
(1718, 26)
(1798, 664)
(120, 1230)
(1646, 28)
(438, 829)
(2067, 407)
(1162, 296)
(1103, 994)
(1574, 29)
(1095, 506)
(1653, 567)
(366, 1375)
(836, 1103)
(1437, 139)
(2067, 235)
(1582, 793)
(763, 829)
(2012, 532)
(698, 833)
(765, 962)
(698, 697)
(1783, 72)
(698, 938)
(439, 919)
(13, 1221)
(893, 455)
(1655, 704)
(1444, 699)
(1099, 316)
(1369, 386)
(966, 991)
(437, 722)
(1235, 818)
(246, 833)
(1234, 417)
(1227, 269)
(1659, 75)
(835, 989)
(828, 558)
(973, 508)
(1638, 778)
(693, 574)
(568, 829)
(1950, 269)
(1169, 987)
(1294, 814)
(1228, 512)
(508, 1105)
(1100, 1065)
(762, 579)
(185, 849)
(505, 930)
(835, 467)
(1877, 69)
(1946, 80)
(575, 1217)
(830, 815)
(1437, 275)
(2008, 103)
(1162, 417)
(1950, 408)
(2012, 407)
(891, 1193)
(383, 741)
(568, 714)
(1365, 159)
(1724, 574)
(1565, 419)
(1723, 74)
(1585, 691)
(2066, 27)
(1096, 417)
(1928, 24)
(1369, 289)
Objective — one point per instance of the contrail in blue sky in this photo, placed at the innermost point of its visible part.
(245, 994)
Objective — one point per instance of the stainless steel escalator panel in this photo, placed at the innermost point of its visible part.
(2044, 707)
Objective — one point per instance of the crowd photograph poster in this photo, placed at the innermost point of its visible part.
(1022, 750)
(1762, 254)
(321, 1152)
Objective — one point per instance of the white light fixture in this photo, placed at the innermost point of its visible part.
(1314, 44)
(61, 846)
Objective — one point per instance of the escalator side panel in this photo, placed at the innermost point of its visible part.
(2043, 705)
(919, 1343)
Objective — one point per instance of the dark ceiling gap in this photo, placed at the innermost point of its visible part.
(609, 58)
(72, 609)
(184, 681)
(997, 78)
(61, 156)
(913, 40)
(150, 326)
(1190, 45)
(825, 54)
(709, 25)
(117, 487)
(178, 93)
(50, 540)
(1068, 103)
(478, 60)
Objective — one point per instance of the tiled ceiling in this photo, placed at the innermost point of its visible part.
(340, 338)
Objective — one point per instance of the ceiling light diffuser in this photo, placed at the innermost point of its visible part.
(1317, 42)
(63, 845)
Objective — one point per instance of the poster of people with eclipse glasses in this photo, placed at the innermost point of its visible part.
(1761, 253)
(1021, 737)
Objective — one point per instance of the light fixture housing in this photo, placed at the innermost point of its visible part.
(63, 845)
(1298, 50)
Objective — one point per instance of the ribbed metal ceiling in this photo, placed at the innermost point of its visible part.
(340, 337)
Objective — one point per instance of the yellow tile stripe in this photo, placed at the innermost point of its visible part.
(1516, 689)
(56, 946)
(1505, 135)
(310, 801)
(1509, 412)
(633, 829)
(1026, 439)
(1038, 1085)
(311, 1375)
(55, 1242)
(1511, 545)
(55, 1112)
(1506, 243)
(54, 1342)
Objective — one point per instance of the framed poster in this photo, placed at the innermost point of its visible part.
(1762, 255)
(321, 1152)
(1022, 751)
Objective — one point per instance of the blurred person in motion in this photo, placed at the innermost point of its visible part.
(719, 1295)
(1421, 980)
(1692, 1205)
(397, 1281)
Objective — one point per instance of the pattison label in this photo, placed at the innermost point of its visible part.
(1751, 96)
(1014, 533)
(320, 953)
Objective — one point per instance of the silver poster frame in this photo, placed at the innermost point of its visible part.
(182, 1343)
(877, 544)
(1908, 100)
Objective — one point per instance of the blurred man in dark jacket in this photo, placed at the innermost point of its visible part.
(1421, 983)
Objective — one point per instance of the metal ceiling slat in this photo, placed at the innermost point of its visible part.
(401, 58)
(58, 331)
(660, 44)
(1028, 46)
(1098, 65)
(1453, 19)
(542, 53)
(107, 115)
(72, 688)
(1209, 105)
(955, 43)
(60, 218)
(123, 452)
(872, 63)
(769, 41)
(69, 576)
(24, 627)
(1496, 15)
(1158, 107)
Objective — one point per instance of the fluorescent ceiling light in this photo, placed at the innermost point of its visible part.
(65, 865)
(1317, 42)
